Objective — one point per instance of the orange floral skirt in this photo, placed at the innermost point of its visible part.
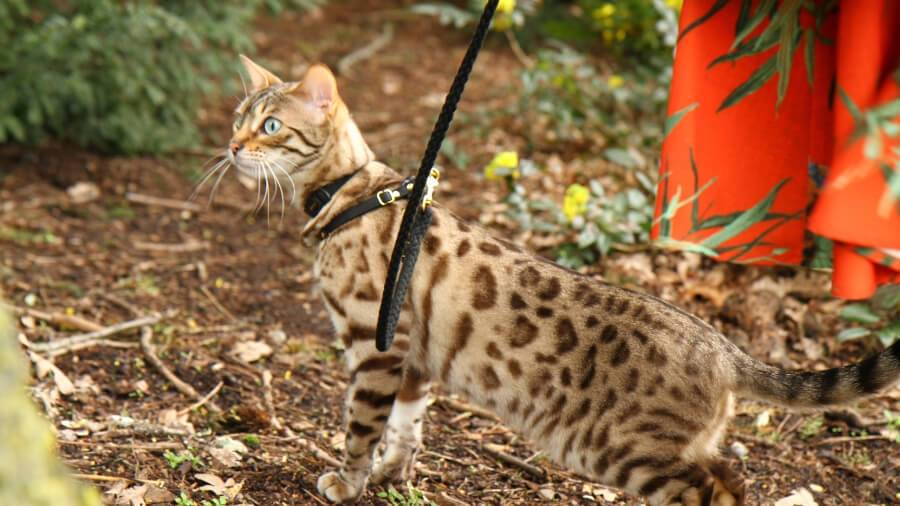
(783, 137)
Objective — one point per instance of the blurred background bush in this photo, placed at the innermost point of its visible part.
(122, 77)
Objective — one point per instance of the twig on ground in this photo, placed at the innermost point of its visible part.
(270, 404)
(464, 407)
(122, 303)
(851, 439)
(150, 447)
(315, 450)
(181, 386)
(506, 458)
(212, 393)
(215, 302)
(367, 51)
(60, 346)
(150, 200)
(103, 477)
(184, 247)
(143, 428)
(58, 319)
(517, 50)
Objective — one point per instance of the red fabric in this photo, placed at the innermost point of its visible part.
(744, 151)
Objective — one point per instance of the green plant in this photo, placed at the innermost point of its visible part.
(175, 460)
(117, 76)
(184, 500)
(811, 427)
(218, 501)
(880, 317)
(414, 497)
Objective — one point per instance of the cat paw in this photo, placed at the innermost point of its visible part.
(336, 489)
(394, 472)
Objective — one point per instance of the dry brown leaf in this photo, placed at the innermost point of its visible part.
(250, 351)
(44, 366)
(801, 497)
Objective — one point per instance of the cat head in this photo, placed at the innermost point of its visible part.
(298, 133)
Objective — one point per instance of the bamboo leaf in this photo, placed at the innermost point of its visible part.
(852, 333)
(673, 120)
(860, 313)
(748, 48)
(809, 54)
(753, 22)
(702, 19)
(746, 219)
(751, 85)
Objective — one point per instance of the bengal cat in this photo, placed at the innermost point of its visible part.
(619, 386)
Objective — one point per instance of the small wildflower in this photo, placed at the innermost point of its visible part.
(615, 81)
(504, 20)
(604, 11)
(70, 311)
(192, 323)
(505, 164)
(575, 201)
(507, 6)
(219, 283)
(675, 4)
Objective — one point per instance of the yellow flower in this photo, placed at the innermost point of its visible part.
(575, 201)
(504, 20)
(505, 6)
(615, 81)
(675, 4)
(604, 11)
(505, 164)
(620, 34)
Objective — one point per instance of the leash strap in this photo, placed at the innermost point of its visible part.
(417, 217)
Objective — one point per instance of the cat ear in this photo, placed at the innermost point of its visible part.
(259, 77)
(319, 88)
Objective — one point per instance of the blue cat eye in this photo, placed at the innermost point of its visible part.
(271, 126)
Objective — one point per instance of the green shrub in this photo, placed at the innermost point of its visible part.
(117, 76)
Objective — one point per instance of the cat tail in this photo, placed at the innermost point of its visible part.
(839, 385)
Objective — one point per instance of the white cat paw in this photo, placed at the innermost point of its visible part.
(337, 489)
(394, 471)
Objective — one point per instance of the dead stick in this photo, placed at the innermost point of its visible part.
(850, 439)
(212, 393)
(316, 451)
(181, 386)
(185, 247)
(217, 304)
(464, 407)
(367, 51)
(160, 446)
(506, 458)
(150, 200)
(270, 404)
(67, 343)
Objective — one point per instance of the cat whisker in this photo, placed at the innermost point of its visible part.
(290, 180)
(208, 174)
(279, 187)
(215, 188)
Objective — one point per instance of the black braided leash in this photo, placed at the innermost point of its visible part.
(415, 218)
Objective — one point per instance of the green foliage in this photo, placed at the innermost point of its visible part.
(413, 497)
(117, 76)
(566, 95)
(812, 427)
(880, 317)
(176, 459)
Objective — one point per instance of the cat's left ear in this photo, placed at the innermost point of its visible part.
(260, 78)
(318, 89)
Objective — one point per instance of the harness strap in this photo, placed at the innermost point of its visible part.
(383, 198)
(321, 196)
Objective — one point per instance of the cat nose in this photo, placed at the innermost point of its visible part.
(235, 147)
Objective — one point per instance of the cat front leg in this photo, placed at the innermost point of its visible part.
(403, 435)
(374, 380)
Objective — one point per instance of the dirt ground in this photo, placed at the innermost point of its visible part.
(230, 286)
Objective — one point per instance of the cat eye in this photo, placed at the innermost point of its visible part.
(271, 126)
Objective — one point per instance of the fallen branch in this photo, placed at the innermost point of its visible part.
(57, 319)
(316, 451)
(185, 247)
(212, 393)
(60, 346)
(181, 386)
(851, 439)
(464, 407)
(270, 404)
(150, 200)
(215, 302)
(506, 458)
(367, 51)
